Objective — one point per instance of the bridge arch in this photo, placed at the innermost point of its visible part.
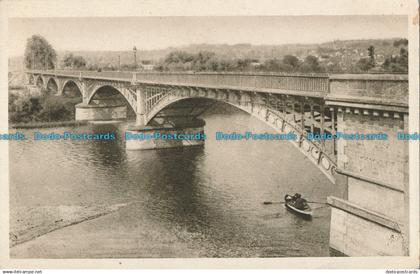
(280, 124)
(259, 112)
(52, 85)
(39, 81)
(31, 79)
(123, 92)
(70, 82)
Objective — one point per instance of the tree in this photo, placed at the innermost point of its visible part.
(71, 61)
(79, 62)
(291, 61)
(273, 65)
(364, 64)
(403, 42)
(397, 63)
(53, 109)
(403, 58)
(311, 64)
(178, 57)
(39, 54)
(24, 109)
(201, 59)
(68, 60)
(371, 53)
(334, 67)
(242, 64)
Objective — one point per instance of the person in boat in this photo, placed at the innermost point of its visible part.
(299, 202)
(296, 196)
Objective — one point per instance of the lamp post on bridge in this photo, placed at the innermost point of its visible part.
(135, 57)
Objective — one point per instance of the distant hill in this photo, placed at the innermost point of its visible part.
(344, 52)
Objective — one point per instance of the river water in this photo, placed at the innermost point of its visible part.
(208, 199)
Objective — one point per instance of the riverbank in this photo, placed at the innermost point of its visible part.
(28, 223)
(122, 233)
(48, 124)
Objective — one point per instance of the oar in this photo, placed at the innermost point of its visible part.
(269, 203)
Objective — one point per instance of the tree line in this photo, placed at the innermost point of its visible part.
(209, 61)
(39, 54)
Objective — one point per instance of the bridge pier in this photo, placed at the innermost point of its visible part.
(190, 133)
(86, 112)
(140, 108)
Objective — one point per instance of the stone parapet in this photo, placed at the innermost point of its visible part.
(382, 91)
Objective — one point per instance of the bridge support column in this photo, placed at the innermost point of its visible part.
(28, 79)
(60, 84)
(152, 137)
(44, 85)
(141, 108)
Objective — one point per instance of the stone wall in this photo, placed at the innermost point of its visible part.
(366, 235)
(384, 160)
(373, 220)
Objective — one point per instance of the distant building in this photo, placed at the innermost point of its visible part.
(147, 67)
(324, 57)
(255, 64)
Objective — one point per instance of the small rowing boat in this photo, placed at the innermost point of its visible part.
(298, 205)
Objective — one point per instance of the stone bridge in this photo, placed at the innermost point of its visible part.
(362, 223)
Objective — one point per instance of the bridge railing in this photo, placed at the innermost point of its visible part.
(109, 74)
(299, 82)
(284, 82)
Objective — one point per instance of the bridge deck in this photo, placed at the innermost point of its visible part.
(306, 85)
(379, 90)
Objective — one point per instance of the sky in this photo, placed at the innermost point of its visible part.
(147, 33)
